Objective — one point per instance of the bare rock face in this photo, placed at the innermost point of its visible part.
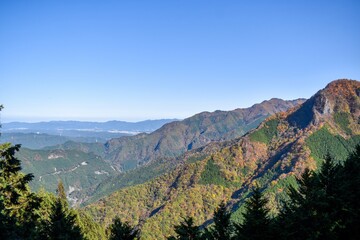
(57, 154)
(338, 96)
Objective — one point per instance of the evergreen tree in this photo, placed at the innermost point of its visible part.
(187, 230)
(317, 208)
(62, 222)
(47, 201)
(17, 204)
(328, 205)
(8, 228)
(256, 224)
(222, 228)
(89, 228)
(122, 231)
(349, 195)
(61, 190)
(297, 219)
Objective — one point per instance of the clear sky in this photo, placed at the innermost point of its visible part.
(134, 60)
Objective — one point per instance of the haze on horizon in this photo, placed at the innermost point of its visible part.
(138, 60)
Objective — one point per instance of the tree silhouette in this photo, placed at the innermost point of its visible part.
(348, 219)
(17, 204)
(299, 212)
(187, 230)
(222, 228)
(62, 222)
(256, 222)
(122, 231)
(325, 204)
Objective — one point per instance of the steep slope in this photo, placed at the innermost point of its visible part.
(149, 171)
(175, 138)
(90, 186)
(270, 156)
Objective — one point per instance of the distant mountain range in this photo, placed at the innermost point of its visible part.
(43, 134)
(112, 126)
(271, 156)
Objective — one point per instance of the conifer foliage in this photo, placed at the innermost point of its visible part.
(256, 221)
(122, 230)
(324, 206)
(222, 225)
(187, 230)
(62, 223)
(61, 191)
(18, 205)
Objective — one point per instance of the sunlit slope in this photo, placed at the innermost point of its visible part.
(173, 139)
(270, 156)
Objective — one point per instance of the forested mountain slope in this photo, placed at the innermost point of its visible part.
(78, 169)
(146, 156)
(270, 157)
(86, 183)
(173, 139)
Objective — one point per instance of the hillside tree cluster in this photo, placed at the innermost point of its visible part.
(323, 205)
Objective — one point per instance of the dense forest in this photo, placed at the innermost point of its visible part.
(323, 205)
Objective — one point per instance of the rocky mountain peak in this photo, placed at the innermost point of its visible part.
(338, 96)
(345, 88)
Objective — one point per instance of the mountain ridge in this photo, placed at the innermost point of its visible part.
(173, 139)
(141, 126)
(211, 122)
(270, 156)
(45, 134)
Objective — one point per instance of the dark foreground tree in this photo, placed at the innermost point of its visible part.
(309, 212)
(348, 193)
(62, 223)
(122, 231)
(18, 205)
(223, 227)
(256, 224)
(187, 230)
(326, 204)
(8, 228)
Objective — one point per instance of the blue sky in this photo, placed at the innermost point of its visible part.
(135, 60)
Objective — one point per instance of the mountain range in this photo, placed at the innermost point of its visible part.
(271, 156)
(146, 156)
(186, 168)
(43, 134)
(149, 155)
(175, 138)
(142, 126)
